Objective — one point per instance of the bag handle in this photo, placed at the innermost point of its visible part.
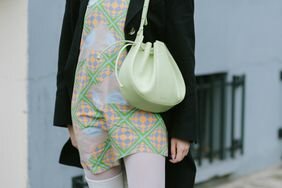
(144, 20)
(140, 32)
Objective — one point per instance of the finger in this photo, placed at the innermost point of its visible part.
(179, 154)
(173, 149)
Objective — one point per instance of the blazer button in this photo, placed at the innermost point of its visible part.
(132, 31)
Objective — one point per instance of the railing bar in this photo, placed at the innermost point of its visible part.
(211, 100)
(243, 113)
(232, 115)
(222, 120)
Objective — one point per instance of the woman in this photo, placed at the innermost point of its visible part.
(104, 130)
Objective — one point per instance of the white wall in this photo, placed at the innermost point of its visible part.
(13, 82)
(245, 37)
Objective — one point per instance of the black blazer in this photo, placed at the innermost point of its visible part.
(171, 21)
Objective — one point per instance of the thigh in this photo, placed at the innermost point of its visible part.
(90, 143)
(145, 170)
(96, 153)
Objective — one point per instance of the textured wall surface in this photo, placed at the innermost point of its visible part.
(13, 82)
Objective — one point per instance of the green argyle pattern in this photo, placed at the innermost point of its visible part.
(97, 111)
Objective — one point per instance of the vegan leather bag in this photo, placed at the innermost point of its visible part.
(149, 77)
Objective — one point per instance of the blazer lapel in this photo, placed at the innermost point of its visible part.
(134, 7)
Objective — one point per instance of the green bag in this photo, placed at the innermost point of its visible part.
(149, 77)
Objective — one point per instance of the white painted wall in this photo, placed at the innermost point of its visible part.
(13, 95)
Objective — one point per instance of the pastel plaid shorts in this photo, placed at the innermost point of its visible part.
(106, 127)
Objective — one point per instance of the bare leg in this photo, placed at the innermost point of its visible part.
(145, 170)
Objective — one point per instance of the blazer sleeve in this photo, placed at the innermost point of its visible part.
(62, 112)
(180, 40)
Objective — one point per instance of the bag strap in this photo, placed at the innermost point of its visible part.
(139, 32)
(143, 17)
(129, 42)
(139, 35)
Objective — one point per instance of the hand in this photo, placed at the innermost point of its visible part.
(179, 149)
(72, 136)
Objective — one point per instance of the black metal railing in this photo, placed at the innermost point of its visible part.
(221, 106)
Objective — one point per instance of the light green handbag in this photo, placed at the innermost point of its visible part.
(149, 77)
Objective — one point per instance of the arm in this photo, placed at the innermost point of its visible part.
(62, 114)
(180, 40)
